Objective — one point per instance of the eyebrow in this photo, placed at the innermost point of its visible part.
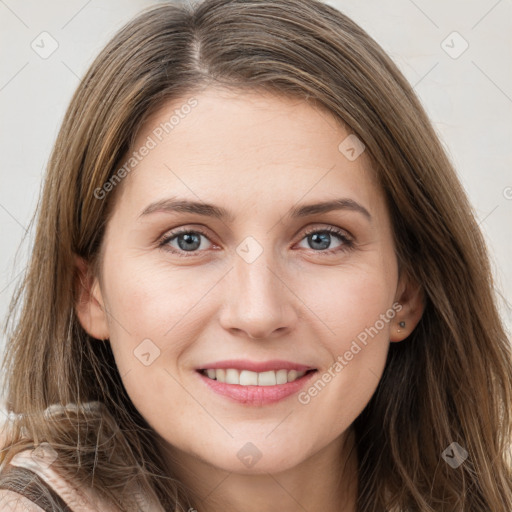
(174, 205)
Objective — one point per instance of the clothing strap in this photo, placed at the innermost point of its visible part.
(31, 488)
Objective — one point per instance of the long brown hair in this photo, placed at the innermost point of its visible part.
(451, 382)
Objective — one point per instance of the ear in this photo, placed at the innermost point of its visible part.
(410, 296)
(89, 304)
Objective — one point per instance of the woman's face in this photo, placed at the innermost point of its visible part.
(216, 259)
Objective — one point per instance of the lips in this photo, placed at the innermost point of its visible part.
(254, 366)
(255, 383)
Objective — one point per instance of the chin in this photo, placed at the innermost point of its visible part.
(259, 456)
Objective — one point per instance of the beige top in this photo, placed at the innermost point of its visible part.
(39, 460)
(78, 500)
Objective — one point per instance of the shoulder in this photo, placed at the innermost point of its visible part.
(39, 468)
(11, 501)
(31, 477)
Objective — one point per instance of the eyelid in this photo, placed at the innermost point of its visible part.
(329, 228)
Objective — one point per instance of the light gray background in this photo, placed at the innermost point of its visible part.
(469, 99)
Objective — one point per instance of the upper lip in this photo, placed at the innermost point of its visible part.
(256, 366)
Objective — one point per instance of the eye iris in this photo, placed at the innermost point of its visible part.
(322, 238)
(189, 238)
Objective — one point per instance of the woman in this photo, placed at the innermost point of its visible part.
(184, 343)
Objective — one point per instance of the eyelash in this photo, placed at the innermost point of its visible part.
(348, 243)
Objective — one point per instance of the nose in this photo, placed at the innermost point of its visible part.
(259, 303)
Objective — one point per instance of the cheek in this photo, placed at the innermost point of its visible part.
(149, 297)
(348, 300)
(357, 307)
(151, 322)
(150, 301)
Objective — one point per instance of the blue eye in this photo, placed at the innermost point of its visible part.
(321, 238)
(190, 241)
(187, 240)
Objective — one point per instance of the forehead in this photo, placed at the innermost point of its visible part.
(245, 148)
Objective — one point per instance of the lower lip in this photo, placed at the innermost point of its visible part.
(257, 395)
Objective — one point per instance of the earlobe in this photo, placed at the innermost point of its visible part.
(89, 305)
(411, 297)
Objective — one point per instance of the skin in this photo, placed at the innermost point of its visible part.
(257, 155)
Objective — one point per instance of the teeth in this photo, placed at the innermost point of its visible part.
(282, 376)
(248, 378)
(267, 378)
(232, 377)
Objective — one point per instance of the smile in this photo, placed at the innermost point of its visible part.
(258, 385)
